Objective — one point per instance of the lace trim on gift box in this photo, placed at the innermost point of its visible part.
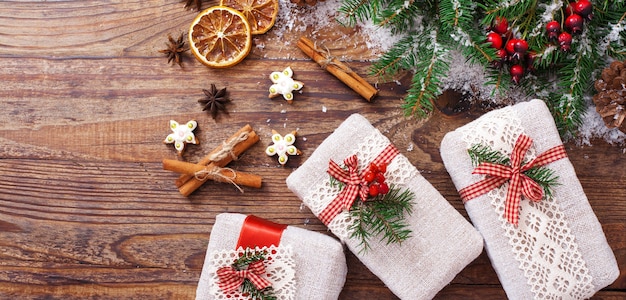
(542, 243)
(279, 266)
(399, 171)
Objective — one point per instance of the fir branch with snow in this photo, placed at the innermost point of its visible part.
(552, 49)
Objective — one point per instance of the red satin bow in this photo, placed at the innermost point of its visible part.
(230, 279)
(519, 183)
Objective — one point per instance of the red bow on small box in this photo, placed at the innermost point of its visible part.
(519, 183)
(355, 183)
(231, 278)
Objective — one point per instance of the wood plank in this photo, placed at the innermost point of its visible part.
(86, 209)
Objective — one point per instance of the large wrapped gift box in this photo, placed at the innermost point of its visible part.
(442, 242)
(299, 263)
(541, 246)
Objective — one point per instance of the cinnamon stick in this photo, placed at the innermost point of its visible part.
(237, 150)
(338, 69)
(191, 184)
(214, 173)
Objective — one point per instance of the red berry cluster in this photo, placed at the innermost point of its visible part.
(576, 13)
(509, 49)
(375, 178)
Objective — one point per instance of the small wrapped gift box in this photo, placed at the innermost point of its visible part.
(543, 243)
(441, 242)
(292, 262)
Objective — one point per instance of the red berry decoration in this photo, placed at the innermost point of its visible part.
(502, 54)
(569, 10)
(520, 47)
(517, 72)
(382, 168)
(584, 8)
(369, 176)
(510, 46)
(375, 179)
(565, 41)
(374, 191)
(553, 28)
(500, 25)
(574, 23)
(383, 188)
(495, 39)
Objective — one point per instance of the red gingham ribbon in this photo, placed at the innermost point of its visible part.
(519, 183)
(353, 179)
(231, 279)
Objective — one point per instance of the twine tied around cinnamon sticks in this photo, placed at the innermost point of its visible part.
(338, 69)
(227, 148)
(212, 166)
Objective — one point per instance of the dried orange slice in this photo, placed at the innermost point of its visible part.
(261, 14)
(220, 37)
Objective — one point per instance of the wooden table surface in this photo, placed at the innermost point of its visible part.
(86, 211)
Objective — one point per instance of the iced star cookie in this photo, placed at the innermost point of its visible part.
(283, 146)
(181, 135)
(284, 84)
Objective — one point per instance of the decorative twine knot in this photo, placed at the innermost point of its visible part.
(215, 173)
(227, 148)
(519, 183)
(231, 279)
(329, 59)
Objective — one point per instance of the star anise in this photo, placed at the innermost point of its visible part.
(197, 3)
(215, 100)
(175, 49)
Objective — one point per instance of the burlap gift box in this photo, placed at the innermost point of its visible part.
(313, 265)
(558, 249)
(442, 242)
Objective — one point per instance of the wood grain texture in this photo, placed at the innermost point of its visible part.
(86, 210)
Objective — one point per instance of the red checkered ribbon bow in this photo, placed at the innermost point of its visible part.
(355, 184)
(519, 183)
(230, 279)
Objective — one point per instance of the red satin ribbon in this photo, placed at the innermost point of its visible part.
(519, 183)
(257, 232)
(353, 179)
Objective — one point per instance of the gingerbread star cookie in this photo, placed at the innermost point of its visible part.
(181, 135)
(282, 146)
(284, 84)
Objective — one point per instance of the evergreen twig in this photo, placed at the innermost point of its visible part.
(430, 29)
(383, 215)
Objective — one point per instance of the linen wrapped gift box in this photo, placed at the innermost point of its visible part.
(442, 242)
(557, 250)
(304, 264)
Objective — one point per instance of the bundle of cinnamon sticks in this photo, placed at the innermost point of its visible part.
(338, 69)
(212, 166)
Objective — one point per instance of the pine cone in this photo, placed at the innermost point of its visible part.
(305, 2)
(611, 97)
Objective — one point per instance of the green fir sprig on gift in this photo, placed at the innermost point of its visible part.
(430, 30)
(248, 257)
(545, 177)
(383, 214)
